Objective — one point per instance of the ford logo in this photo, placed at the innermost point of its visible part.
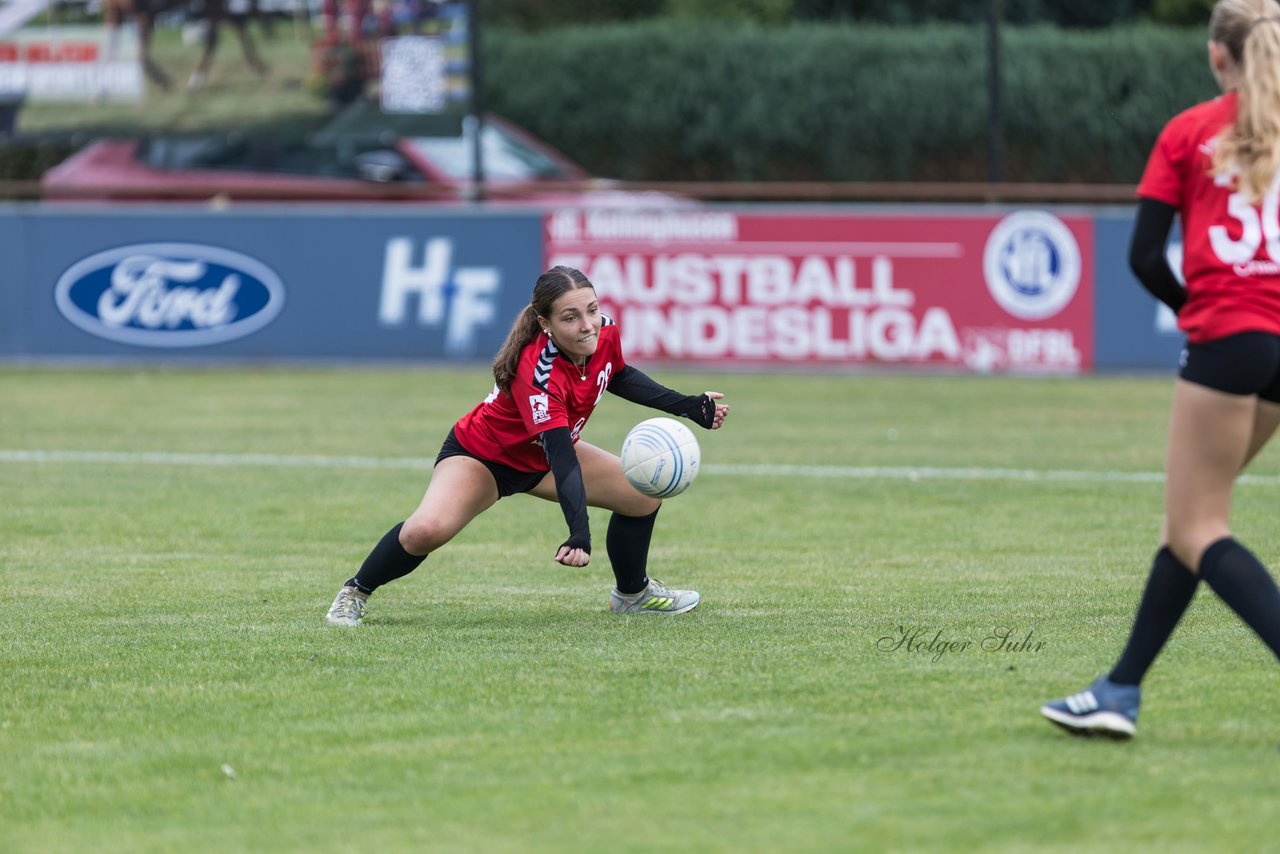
(169, 295)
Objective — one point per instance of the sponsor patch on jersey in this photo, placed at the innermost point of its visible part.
(1032, 264)
(169, 295)
(538, 406)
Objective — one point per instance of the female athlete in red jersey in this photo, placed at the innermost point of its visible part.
(559, 359)
(1217, 167)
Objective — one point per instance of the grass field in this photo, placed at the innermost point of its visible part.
(170, 540)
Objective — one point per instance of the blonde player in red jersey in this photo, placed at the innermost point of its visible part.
(559, 359)
(1216, 167)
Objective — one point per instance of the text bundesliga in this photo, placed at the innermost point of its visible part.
(924, 640)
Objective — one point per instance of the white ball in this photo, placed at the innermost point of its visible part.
(660, 457)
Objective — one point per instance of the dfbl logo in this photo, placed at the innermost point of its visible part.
(461, 300)
(169, 295)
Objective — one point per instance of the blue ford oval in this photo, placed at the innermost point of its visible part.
(169, 295)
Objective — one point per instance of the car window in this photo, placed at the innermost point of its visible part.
(505, 157)
(279, 157)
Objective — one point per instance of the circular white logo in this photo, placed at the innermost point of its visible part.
(1032, 264)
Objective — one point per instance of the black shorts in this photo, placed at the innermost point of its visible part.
(1247, 363)
(510, 481)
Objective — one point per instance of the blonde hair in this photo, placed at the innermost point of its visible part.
(1250, 32)
(549, 288)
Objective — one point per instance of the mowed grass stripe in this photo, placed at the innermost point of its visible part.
(424, 464)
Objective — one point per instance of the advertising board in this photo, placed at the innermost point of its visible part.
(1010, 292)
(288, 284)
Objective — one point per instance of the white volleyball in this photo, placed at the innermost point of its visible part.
(660, 457)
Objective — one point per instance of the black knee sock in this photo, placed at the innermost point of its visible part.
(1244, 584)
(628, 546)
(387, 562)
(1169, 591)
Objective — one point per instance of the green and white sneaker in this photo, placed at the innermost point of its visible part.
(654, 599)
(348, 607)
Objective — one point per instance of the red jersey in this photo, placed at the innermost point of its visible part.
(1231, 249)
(548, 391)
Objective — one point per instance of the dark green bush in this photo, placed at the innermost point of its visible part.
(26, 159)
(760, 11)
(1182, 12)
(1088, 106)
(540, 14)
(1068, 13)
(663, 101)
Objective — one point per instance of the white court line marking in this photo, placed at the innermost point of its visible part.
(425, 464)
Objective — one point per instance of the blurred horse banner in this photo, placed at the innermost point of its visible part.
(413, 75)
(85, 63)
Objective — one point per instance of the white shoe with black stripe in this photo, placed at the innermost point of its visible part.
(1104, 708)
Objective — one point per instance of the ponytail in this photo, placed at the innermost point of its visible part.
(524, 330)
(1250, 148)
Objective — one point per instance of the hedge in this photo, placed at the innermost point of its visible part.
(1067, 13)
(659, 100)
(536, 14)
(27, 159)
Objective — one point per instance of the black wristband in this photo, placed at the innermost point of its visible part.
(701, 411)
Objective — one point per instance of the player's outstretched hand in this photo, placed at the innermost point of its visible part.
(722, 409)
(572, 557)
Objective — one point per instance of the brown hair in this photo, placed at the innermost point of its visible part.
(1250, 32)
(550, 286)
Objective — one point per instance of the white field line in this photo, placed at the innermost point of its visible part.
(303, 461)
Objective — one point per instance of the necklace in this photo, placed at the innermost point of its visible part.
(582, 369)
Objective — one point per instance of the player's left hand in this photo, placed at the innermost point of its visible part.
(722, 409)
(572, 557)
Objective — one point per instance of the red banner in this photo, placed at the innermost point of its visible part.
(1009, 292)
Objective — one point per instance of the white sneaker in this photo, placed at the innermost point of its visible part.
(654, 599)
(348, 607)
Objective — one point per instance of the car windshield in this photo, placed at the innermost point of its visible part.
(276, 156)
(505, 157)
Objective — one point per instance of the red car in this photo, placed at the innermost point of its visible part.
(518, 168)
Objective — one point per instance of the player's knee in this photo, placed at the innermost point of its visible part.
(1189, 543)
(644, 506)
(423, 535)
